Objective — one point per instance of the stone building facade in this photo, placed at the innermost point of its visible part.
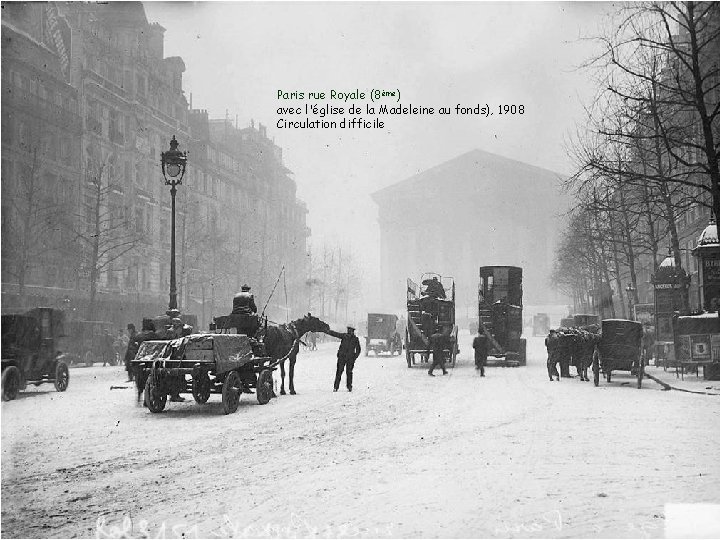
(97, 82)
(479, 209)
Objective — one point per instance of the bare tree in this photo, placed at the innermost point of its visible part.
(105, 230)
(30, 231)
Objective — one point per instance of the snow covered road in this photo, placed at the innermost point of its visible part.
(403, 455)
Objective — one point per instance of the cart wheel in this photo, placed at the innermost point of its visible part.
(10, 383)
(264, 387)
(62, 377)
(155, 397)
(231, 392)
(201, 387)
(640, 371)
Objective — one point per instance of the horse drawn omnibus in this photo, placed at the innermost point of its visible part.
(431, 309)
(500, 314)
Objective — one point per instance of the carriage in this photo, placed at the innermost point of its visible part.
(31, 344)
(204, 364)
(382, 335)
(500, 312)
(224, 362)
(619, 349)
(429, 313)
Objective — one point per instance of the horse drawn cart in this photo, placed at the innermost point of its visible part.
(204, 364)
(619, 349)
(431, 309)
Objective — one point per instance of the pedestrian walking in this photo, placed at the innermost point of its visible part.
(551, 343)
(439, 341)
(480, 346)
(348, 352)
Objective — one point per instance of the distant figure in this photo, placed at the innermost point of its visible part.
(108, 351)
(244, 302)
(348, 352)
(439, 341)
(434, 288)
(480, 346)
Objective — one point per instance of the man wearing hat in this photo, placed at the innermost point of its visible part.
(244, 309)
(348, 352)
(244, 302)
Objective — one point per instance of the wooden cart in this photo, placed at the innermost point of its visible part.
(204, 364)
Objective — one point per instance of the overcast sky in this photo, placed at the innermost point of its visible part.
(238, 55)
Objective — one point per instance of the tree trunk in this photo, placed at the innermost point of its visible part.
(94, 262)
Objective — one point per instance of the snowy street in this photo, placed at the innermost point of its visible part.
(403, 455)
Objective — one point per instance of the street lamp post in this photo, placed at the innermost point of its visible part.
(630, 290)
(173, 164)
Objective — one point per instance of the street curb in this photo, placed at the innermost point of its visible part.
(667, 386)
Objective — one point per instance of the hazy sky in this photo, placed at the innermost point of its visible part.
(238, 55)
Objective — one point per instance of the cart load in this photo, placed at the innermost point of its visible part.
(204, 364)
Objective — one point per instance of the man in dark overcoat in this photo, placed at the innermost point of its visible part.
(348, 352)
(244, 302)
(438, 342)
(552, 343)
(480, 346)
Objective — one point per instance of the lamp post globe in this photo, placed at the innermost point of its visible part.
(630, 291)
(173, 163)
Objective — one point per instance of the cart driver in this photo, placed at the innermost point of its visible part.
(244, 302)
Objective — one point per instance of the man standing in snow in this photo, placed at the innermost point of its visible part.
(348, 352)
(551, 343)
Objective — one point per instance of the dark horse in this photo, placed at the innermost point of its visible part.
(284, 341)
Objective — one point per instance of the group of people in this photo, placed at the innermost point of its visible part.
(570, 346)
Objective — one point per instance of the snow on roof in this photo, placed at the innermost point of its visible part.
(709, 235)
(708, 315)
(668, 262)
